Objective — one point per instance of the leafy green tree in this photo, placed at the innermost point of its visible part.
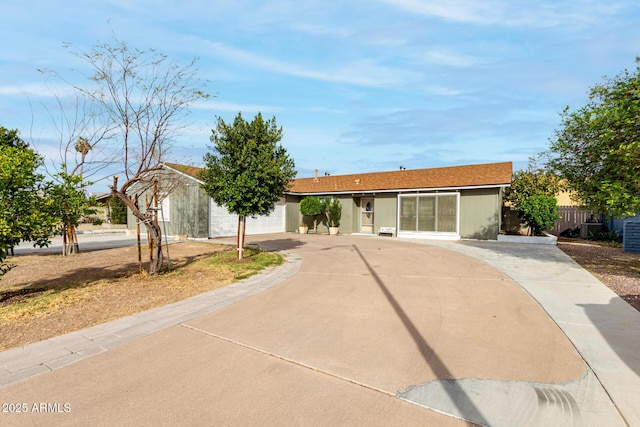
(527, 187)
(334, 212)
(69, 204)
(313, 207)
(248, 170)
(532, 181)
(597, 148)
(24, 203)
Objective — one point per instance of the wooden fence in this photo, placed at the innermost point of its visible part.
(571, 217)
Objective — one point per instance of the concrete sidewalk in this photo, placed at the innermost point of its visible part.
(370, 331)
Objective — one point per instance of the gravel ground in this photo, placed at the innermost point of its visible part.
(619, 270)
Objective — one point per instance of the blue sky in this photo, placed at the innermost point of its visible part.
(356, 85)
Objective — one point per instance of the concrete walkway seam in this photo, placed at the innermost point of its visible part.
(292, 361)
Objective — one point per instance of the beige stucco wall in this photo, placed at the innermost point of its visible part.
(564, 199)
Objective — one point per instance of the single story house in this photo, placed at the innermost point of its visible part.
(445, 203)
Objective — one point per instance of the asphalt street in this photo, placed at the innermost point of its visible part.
(86, 242)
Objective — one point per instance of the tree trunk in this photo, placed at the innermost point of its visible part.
(241, 228)
(75, 248)
(64, 241)
(154, 234)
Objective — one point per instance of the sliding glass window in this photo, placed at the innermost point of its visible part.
(429, 213)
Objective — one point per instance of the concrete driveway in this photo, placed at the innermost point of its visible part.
(370, 331)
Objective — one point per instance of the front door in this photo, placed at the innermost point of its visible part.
(366, 221)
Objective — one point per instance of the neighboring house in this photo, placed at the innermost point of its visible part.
(446, 203)
(186, 210)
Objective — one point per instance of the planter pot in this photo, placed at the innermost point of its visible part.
(333, 231)
(303, 229)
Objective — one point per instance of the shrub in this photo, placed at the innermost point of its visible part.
(539, 212)
(334, 212)
(313, 207)
(118, 211)
(604, 236)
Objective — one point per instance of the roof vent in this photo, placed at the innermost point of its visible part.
(357, 181)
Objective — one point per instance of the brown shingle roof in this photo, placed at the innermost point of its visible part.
(493, 174)
(189, 170)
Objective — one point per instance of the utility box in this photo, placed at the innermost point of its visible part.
(586, 228)
(631, 237)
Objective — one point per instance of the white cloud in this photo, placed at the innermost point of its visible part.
(362, 72)
(231, 107)
(538, 14)
(451, 9)
(444, 57)
(332, 32)
(39, 90)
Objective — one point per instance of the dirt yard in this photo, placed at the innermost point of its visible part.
(104, 285)
(97, 286)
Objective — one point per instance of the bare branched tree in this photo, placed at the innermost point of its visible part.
(141, 99)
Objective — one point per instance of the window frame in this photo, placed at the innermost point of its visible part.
(414, 231)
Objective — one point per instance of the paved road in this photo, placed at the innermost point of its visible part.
(87, 242)
(369, 331)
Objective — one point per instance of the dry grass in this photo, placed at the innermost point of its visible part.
(49, 295)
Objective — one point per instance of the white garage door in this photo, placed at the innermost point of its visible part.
(222, 223)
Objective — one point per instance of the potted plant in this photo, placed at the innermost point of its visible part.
(313, 207)
(302, 228)
(334, 213)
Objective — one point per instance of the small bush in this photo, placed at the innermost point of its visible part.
(539, 212)
(604, 236)
(334, 212)
(118, 211)
(97, 221)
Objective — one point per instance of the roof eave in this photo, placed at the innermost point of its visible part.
(399, 190)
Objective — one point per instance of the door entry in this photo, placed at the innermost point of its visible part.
(366, 221)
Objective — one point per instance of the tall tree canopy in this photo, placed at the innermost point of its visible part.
(248, 170)
(25, 208)
(532, 181)
(597, 148)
